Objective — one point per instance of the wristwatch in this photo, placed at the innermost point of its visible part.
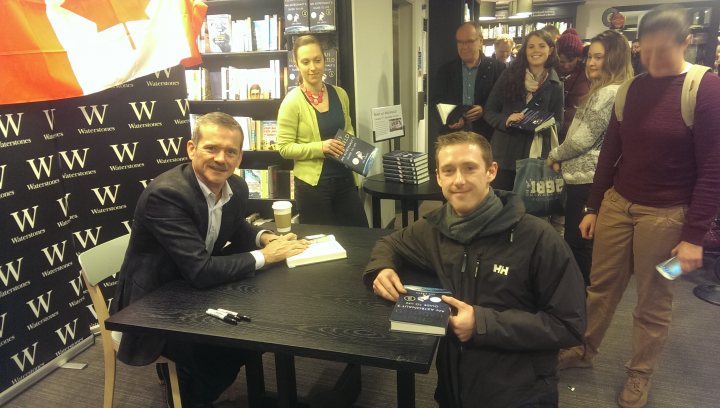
(588, 210)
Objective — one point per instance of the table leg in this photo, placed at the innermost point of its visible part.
(404, 208)
(416, 211)
(376, 215)
(405, 389)
(255, 380)
(286, 386)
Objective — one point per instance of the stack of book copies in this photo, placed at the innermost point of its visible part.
(406, 167)
(322, 248)
(421, 310)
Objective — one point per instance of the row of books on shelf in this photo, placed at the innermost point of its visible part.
(309, 16)
(223, 34)
(259, 134)
(270, 183)
(230, 83)
(406, 167)
(519, 30)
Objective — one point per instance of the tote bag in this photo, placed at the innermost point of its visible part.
(541, 188)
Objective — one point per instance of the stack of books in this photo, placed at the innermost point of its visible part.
(406, 167)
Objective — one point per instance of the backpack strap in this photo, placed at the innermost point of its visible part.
(691, 84)
(620, 97)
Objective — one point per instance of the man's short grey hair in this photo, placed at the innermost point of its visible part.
(219, 119)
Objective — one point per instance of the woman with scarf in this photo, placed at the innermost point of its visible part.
(531, 78)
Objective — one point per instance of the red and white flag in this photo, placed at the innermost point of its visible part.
(54, 49)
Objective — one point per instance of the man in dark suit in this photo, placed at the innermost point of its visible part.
(468, 79)
(190, 224)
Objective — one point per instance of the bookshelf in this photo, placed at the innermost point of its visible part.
(214, 95)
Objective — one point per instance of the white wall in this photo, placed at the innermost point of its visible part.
(589, 15)
(373, 68)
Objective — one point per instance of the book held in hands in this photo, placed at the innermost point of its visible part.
(534, 120)
(322, 248)
(358, 156)
(451, 114)
(421, 310)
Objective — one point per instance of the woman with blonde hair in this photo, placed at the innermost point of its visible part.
(608, 66)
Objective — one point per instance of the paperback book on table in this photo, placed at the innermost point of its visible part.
(405, 157)
(322, 249)
(421, 310)
(358, 156)
(406, 179)
(405, 169)
(406, 174)
(534, 120)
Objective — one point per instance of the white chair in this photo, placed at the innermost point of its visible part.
(97, 264)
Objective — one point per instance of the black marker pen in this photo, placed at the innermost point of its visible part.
(222, 316)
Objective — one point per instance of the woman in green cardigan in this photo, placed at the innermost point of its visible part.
(308, 119)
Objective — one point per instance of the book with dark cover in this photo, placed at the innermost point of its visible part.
(405, 157)
(297, 18)
(405, 179)
(331, 66)
(421, 310)
(322, 15)
(406, 174)
(534, 120)
(405, 168)
(451, 114)
(358, 156)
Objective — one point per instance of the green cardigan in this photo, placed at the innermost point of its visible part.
(298, 134)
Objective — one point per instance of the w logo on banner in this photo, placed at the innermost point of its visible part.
(107, 193)
(50, 115)
(56, 252)
(172, 143)
(143, 109)
(88, 236)
(90, 117)
(68, 332)
(2, 324)
(26, 218)
(183, 105)
(120, 153)
(70, 162)
(64, 205)
(43, 167)
(11, 269)
(40, 303)
(11, 121)
(77, 285)
(26, 357)
(2, 175)
(167, 72)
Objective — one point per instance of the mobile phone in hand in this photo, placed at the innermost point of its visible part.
(670, 269)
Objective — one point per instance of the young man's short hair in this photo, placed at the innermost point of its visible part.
(465, 137)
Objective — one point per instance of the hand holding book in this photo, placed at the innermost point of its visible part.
(333, 147)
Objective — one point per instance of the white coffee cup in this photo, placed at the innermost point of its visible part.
(283, 215)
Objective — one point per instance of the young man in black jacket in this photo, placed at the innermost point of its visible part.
(518, 292)
(468, 79)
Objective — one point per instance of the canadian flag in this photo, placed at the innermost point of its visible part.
(54, 49)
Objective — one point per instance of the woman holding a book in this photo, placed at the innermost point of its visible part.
(608, 65)
(529, 82)
(308, 120)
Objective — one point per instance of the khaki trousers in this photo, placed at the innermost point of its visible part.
(632, 239)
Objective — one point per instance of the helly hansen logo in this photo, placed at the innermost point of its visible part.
(68, 333)
(108, 192)
(501, 269)
(143, 109)
(26, 217)
(94, 113)
(125, 150)
(10, 270)
(45, 165)
(11, 121)
(26, 357)
(40, 303)
(170, 144)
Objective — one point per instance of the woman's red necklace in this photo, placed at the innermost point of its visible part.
(315, 98)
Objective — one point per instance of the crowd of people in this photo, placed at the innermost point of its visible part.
(641, 165)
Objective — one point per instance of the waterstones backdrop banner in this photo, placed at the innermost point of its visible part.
(70, 174)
